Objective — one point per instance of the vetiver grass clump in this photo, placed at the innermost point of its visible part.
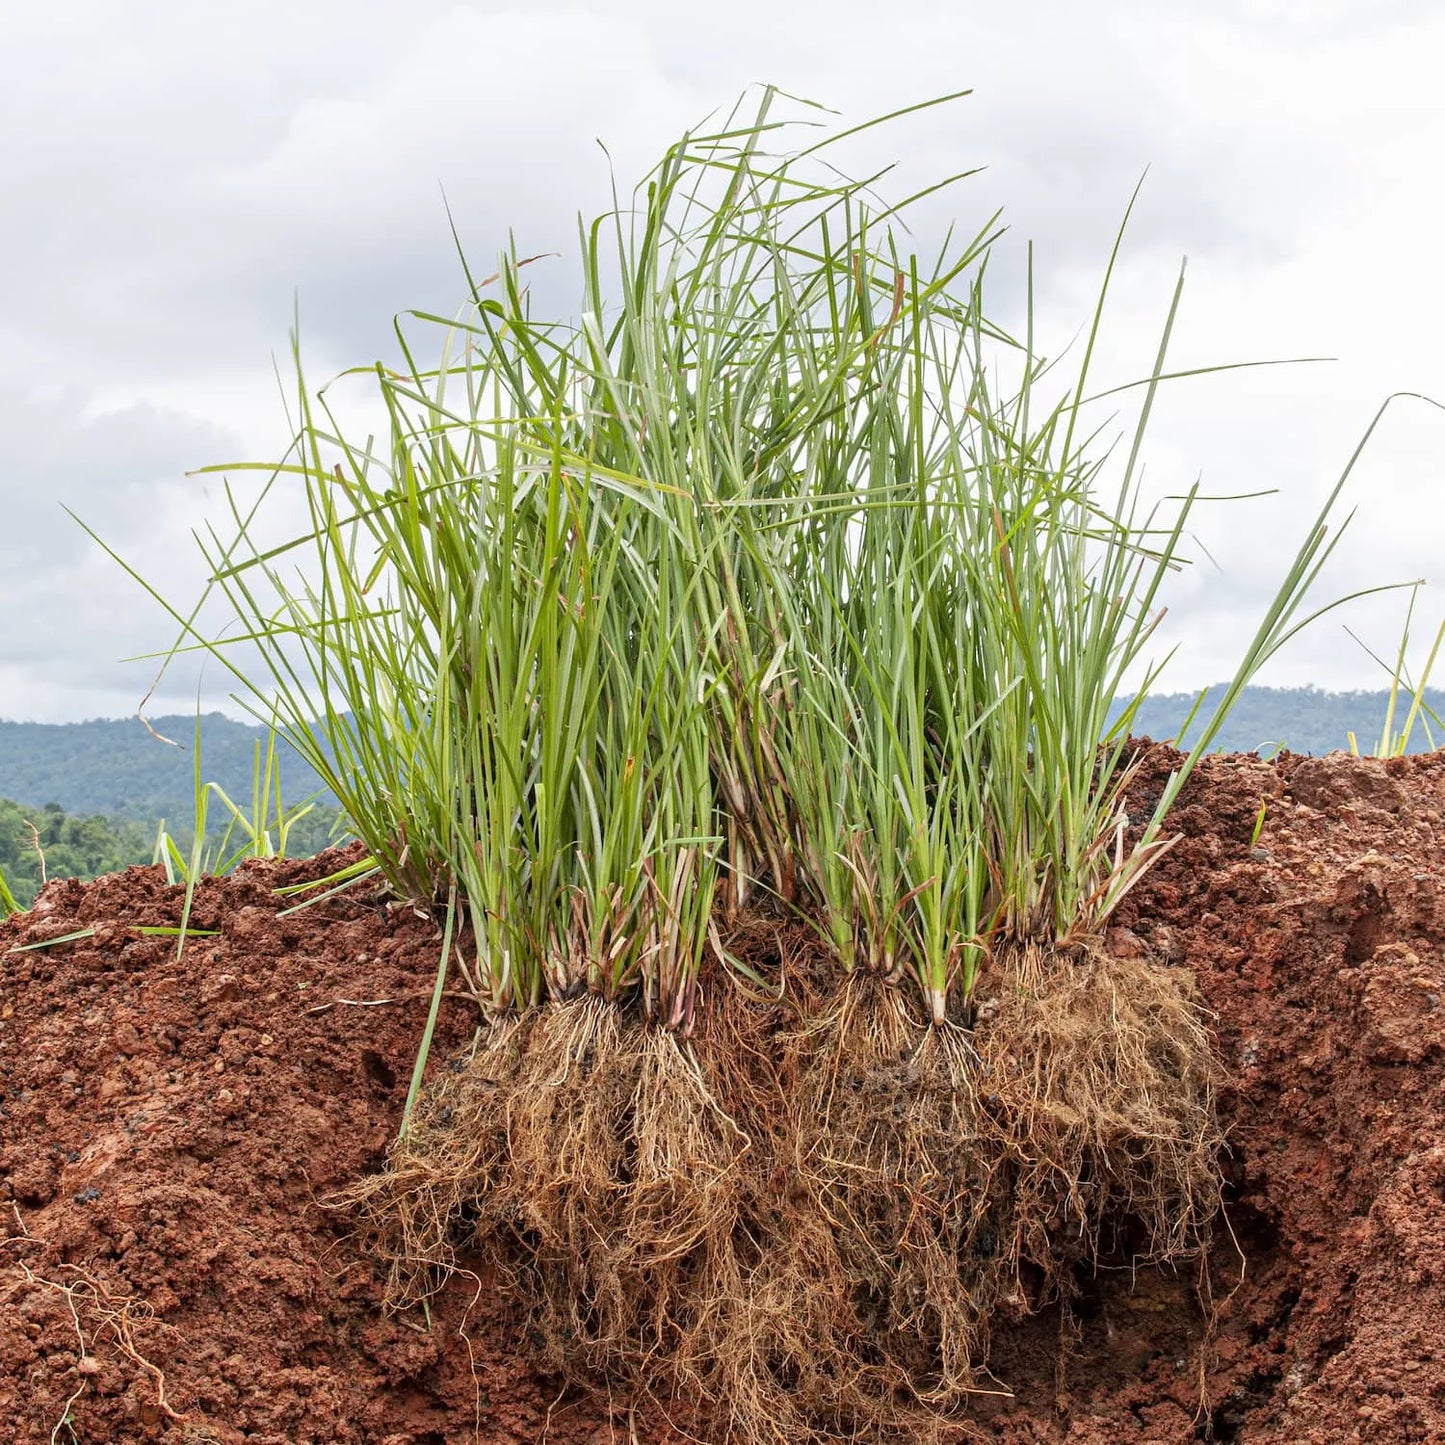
(730, 668)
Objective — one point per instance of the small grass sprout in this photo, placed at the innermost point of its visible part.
(8, 905)
(1259, 818)
(269, 819)
(1394, 738)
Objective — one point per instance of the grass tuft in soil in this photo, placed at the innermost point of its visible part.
(1101, 1084)
(806, 1224)
(783, 578)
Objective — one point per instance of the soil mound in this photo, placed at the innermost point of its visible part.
(167, 1130)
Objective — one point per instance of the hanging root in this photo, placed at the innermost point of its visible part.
(453, 1152)
(805, 1234)
(890, 1153)
(904, 1191)
(687, 1153)
(666, 1245)
(585, 1158)
(830, 1308)
(1099, 1082)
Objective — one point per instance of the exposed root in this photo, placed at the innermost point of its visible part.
(806, 1234)
(110, 1318)
(681, 1213)
(1099, 1083)
(454, 1153)
(687, 1154)
(562, 1191)
(890, 1153)
(623, 1244)
(587, 1158)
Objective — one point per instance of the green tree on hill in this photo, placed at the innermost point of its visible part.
(39, 843)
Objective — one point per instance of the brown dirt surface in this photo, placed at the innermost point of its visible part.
(168, 1130)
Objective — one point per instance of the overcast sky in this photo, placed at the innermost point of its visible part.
(175, 175)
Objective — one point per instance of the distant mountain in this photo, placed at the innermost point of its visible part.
(1302, 719)
(118, 769)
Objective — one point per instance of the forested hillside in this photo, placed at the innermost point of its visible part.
(36, 839)
(97, 791)
(118, 769)
(46, 842)
(1302, 719)
(93, 795)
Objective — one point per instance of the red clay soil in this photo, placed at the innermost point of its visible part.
(167, 1130)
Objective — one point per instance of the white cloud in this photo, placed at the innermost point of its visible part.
(179, 173)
